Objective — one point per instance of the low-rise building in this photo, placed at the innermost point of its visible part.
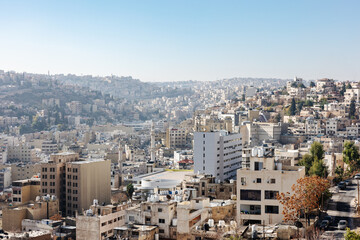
(43, 209)
(25, 190)
(99, 222)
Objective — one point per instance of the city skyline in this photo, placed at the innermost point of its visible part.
(173, 41)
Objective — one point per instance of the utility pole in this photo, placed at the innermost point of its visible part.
(357, 207)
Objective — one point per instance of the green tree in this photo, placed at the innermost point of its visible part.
(348, 86)
(351, 235)
(352, 109)
(317, 150)
(318, 168)
(313, 162)
(351, 155)
(293, 107)
(343, 89)
(306, 161)
(312, 84)
(129, 190)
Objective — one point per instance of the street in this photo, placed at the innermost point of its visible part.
(342, 207)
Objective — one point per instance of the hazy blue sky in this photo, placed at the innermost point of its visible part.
(182, 40)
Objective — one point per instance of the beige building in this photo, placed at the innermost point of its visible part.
(99, 221)
(86, 181)
(175, 138)
(258, 186)
(13, 216)
(206, 186)
(21, 152)
(21, 171)
(53, 176)
(154, 212)
(77, 183)
(25, 190)
(137, 232)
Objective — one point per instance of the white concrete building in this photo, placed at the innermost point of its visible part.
(332, 126)
(217, 153)
(258, 186)
(5, 178)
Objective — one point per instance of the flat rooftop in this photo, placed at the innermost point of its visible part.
(166, 175)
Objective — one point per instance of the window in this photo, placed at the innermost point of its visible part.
(149, 208)
(161, 220)
(258, 180)
(252, 195)
(272, 181)
(258, 166)
(271, 194)
(271, 209)
(161, 230)
(131, 218)
(147, 219)
(159, 209)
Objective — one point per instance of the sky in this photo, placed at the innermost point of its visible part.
(183, 40)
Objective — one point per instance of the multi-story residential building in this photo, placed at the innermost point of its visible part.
(86, 181)
(257, 132)
(324, 85)
(352, 94)
(258, 186)
(21, 152)
(53, 176)
(332, 126)
(155, 212)
(21, 171)
(26, 190)
(206, 186)
(49, 147)
(99, 221)
(76, 183)
(217, 153)
(175, 138)
(3, 155)
(5, 178)
(313, 126)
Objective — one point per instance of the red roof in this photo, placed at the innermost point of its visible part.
(186, 161)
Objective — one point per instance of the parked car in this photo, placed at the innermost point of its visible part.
(347, 182)
(342, 185)
(357, 176)
(329, 218)
(324, 224)
(342, 224)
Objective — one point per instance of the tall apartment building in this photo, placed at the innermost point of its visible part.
(175, 138)
(217, 153)
(258, 186)
(76, 183)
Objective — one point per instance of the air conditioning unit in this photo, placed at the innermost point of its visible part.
(254, 181)
(268, 181)
(243, 183)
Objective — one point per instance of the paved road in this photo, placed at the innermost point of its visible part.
(342, 207)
